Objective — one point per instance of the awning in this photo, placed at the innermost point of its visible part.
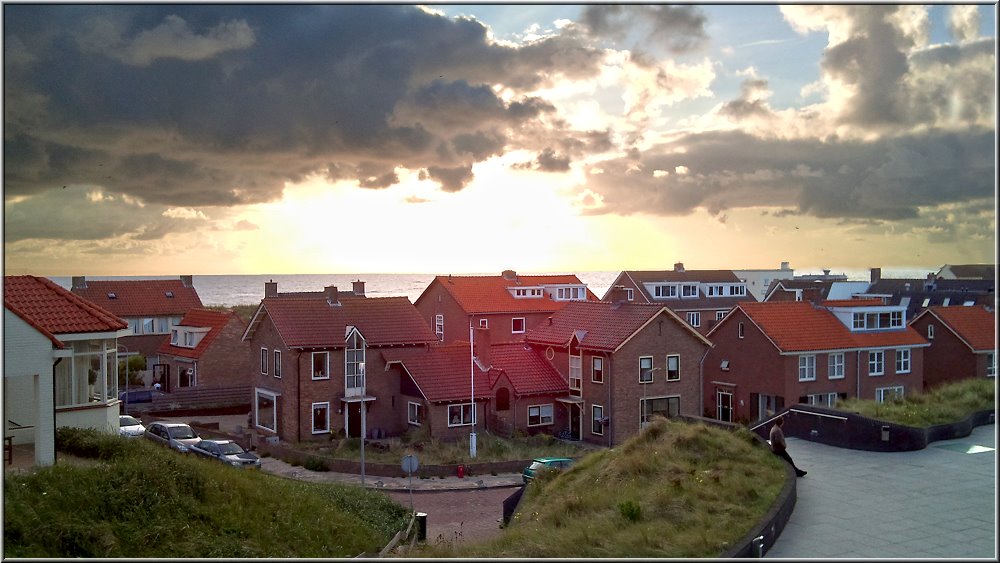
(357, 399)
(572, 400)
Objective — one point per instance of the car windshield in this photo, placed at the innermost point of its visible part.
(182, 432)
(128, 421)
(230, 448)
(536, 465)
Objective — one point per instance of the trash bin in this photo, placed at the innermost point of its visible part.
(460, 471)
(421, 526)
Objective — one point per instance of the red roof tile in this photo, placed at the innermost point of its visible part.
(53, 310)
(199, 318)
(443, 372)
(529, 373)
(489, 294)
(137, 298)
(975, 325)
(310, 322)
(798, 326)
(604, 325)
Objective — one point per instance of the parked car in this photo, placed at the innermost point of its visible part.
(175, 435)
(543, 463)
(130, 427)
(228, 452)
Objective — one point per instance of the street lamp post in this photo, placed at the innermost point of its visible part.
(364, 422)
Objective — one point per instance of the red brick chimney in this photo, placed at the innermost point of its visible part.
(481, 345)
(358, 288)
(679, 267)
(270, 288)
(332, 296)
(617, 294)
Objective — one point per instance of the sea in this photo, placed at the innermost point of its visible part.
(248, 289)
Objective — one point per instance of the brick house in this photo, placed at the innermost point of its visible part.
(963, 343)
(315, 352)
(205, 349)
(919, 294)
(515, 388)
(150, 307)
(508, 304)
(700, 297)
(773, 354)
(623, 362)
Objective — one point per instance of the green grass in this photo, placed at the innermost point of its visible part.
(142, 500)
(945, 404)
(676, 490)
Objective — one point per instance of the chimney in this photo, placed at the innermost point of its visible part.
(826, 273)
(784, 266)
(876, 274)
(358, 288)
(332, 296)
(616, 294)
(79, 282)
(509, 275)
(481, 345)
(679, 267)
(550, 321)
(187, 281)
(270, 288)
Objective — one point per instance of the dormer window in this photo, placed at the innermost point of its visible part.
(111, 295)
(527, 292)
(169, 294)
(576, 293)
(877, 320)
(664, 291)
(689, 290)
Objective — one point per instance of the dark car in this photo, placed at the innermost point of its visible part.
(175, 435)
(228, 452)
(543, 463)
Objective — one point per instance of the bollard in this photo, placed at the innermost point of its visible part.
(757, 546)
(460, 471)
(421, 526)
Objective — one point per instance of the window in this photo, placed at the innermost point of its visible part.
(694, 318)
(740, 331)
(885, 394)
(321, 365)
(724, 365)
(673, 367)
(517, 325)
(321, 418)
(414, 413)
(737, 290)
(484, 323)
(597, 420)
(664, 406)
(926, 302)
(575, 373)
(714, 290)
(460, 415)
(858, 321)
(354, 363)
(147, 326)
(263, 361)
(876, 363)
(277, 364)
(439, 326)
(267, 414)
(646, 369)
(946, 302)
(189, 339)
(903, 360)
(173, 337)
(719, 315)
(822, 399)
(571, 293)
(807, 368)
(629, 295)
(539, 415)
(597, 370)
(163, 325)
(835, 366)
(991, 365)
(689, 290)
(930, 332)
(664, 291)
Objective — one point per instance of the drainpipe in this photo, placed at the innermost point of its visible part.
(607, 382)
(55, 454)
(298, 387)
(857, 372)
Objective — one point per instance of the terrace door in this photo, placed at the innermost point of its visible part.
(354, 420)
(724, 406)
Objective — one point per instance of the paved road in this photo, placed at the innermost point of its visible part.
(463, 515)
(932, 503)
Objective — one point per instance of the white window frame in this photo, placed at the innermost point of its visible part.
(694, 318)
(719, 315)
(354, 364)
(575, 373)
(326, 365)
(930, 331)
(173, 337)
(484, 323)
(807, 367)
(256, 409)
(678, 369)
(595, 369)
(689, 291)
(323, 405)
(876, 362)
(664, 291)
(439, 326)
(543, 415)
(264, 357)
(903, 364)
(835, 366)
(513, 327)
(148, 325)
(629, 294)
(649, 369)
(991, 364)
(740, 330)
(822, 399)
(596, 418)
(881, 392)
(414, 413)
(466, 413)
(277, 364)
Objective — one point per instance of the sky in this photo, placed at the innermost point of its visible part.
(161, 139)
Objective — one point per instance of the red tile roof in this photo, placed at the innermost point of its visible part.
(443, 372)
(975, 325)
(199, 318)
(52, 310)
(529, 373)
(603, 325)
(310, 322)
(798, 326)
(489, 294)
(138, 298)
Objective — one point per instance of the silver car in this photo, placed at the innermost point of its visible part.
(228, 452)
(175, 435)
(130, 427)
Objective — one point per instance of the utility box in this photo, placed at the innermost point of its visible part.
(421, 526)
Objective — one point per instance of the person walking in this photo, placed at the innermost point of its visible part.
(778, 445)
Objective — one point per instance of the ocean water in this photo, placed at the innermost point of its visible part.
(231, 290)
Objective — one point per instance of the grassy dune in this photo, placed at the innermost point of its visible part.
(942, 405)
(141, 500)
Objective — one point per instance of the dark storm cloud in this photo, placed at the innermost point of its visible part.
(547, 161)
(748, 104)
(678, 28)
(887, 179)
(193, 105)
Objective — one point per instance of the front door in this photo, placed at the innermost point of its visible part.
(354, 420)
(575, 420)
(724, 405)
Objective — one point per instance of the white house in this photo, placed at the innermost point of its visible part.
(60, 363)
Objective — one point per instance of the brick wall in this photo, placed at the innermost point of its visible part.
(948, 359)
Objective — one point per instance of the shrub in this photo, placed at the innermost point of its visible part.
(630, 511)
(315, 464)
(90, 443)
